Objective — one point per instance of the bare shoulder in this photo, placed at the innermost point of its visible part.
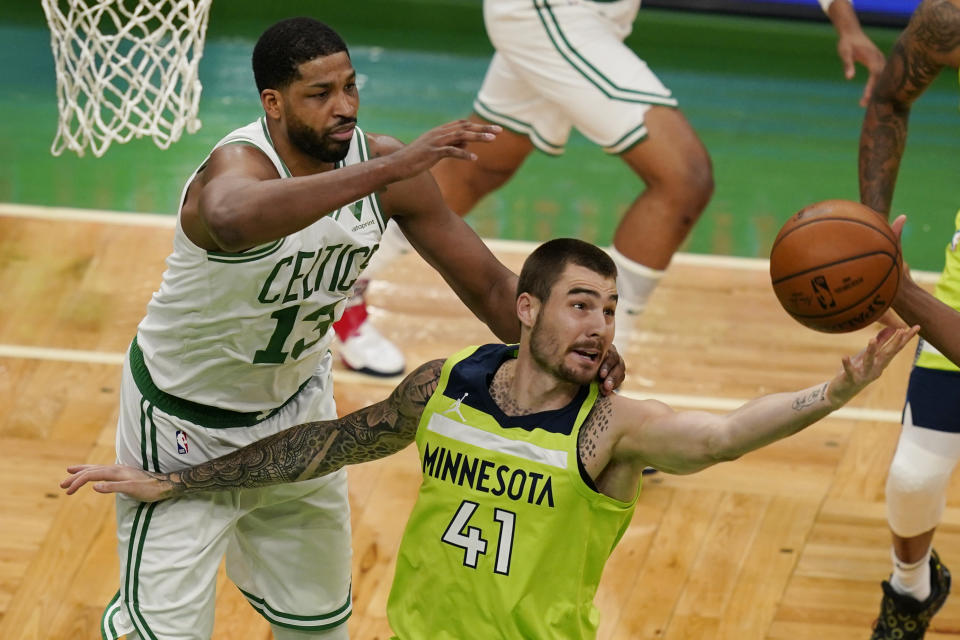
(382, 145)
(239, 159)
(613, 419)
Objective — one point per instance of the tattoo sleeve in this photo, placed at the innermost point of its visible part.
(929, 41)
(317, 448)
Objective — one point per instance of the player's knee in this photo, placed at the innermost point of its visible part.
(916, 493)
(910, 480)
(688, 184)
(699, 174)
(688, 191)
(465, 184)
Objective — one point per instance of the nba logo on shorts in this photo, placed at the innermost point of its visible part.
(182, 446)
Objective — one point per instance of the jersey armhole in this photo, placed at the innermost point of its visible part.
(587, 480)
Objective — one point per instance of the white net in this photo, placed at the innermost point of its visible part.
(125, 69)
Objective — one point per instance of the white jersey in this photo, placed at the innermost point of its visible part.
(243, 331)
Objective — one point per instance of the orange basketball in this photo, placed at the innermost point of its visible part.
(835, 266)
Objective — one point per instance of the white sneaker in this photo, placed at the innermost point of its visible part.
(367, 351)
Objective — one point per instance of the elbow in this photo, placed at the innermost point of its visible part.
(719, 447)
(221, 223)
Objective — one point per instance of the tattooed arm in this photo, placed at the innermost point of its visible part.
(930, 42)
(687, 441)
(299, 453)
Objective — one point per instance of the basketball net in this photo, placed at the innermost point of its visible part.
(125, 69)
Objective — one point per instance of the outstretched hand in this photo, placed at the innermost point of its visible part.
(857, 47)
(117, 478)
(863, 368)
(446, 141)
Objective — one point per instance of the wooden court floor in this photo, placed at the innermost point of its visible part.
(789, 542)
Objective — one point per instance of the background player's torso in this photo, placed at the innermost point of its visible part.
(260, 318)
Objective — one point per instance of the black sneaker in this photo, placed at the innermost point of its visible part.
(905, 618)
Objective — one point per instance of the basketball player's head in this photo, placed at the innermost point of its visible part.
(306, 81)
(566, 298)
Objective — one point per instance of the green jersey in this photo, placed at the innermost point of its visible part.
(508, 537)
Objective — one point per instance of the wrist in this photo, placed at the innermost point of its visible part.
(389, 168)
(842, 16)
(169, 487)
(834, 396)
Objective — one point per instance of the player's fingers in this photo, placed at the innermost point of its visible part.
(483, 127)
(73, 484)
(848, 367)
(76, 468)
(457, 152)
(845, 51)
(907, 334)
(79, 472)
(897, 225)
(119, 486)
(868, 90)
(614, 378)
(461, 137)
(885, 334)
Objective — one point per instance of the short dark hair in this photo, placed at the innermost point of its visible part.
(286, 45)
(544, 266)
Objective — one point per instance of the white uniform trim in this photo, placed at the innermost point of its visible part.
(493, 442)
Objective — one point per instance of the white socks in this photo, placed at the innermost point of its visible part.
(635, 283)
(911, 579)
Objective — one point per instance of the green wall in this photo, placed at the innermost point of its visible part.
(766, 96)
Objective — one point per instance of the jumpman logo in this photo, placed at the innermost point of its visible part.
(456, 407)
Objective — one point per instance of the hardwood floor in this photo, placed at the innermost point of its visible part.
(787, 542)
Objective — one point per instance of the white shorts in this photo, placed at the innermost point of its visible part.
(287, 547)
(562, 63)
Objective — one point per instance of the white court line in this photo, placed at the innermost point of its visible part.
(513, 246)
(349, 377)
(352, 378)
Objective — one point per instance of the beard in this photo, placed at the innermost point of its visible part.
(544, 347)
(314, 144)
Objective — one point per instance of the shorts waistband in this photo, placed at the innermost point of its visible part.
(199, 414)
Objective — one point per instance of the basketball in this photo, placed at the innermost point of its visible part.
(835, 266)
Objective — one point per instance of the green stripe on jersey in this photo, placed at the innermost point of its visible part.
(249, 255)
(588, 70)
(373, 197)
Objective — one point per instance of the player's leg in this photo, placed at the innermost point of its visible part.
(505, 100)
(926, 455)
(169, 551)
(169, 554)
(463, 184)
(290, 554)
(675, 169)
(573, 56)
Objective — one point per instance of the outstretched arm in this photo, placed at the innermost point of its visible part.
(853, 45)
(685, 442)
(299, 453)
(237, 201)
